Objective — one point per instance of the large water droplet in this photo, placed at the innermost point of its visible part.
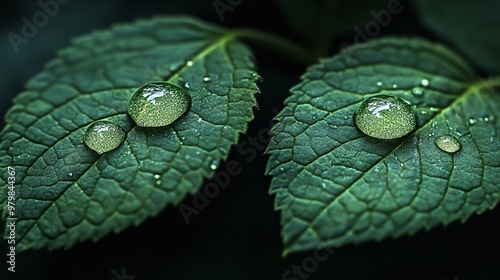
(448, 143)
(158, 104)
(385, 117)
(214, 164)
(103, 136)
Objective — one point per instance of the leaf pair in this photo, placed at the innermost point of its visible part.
(331, 182)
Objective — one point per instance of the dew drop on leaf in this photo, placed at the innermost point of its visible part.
(425, 82)
(103, 136)
(158, 104)
(206, 79)
(379, 84)
(214, 164)
(448, 143)
(189, 63)
(157, 176)
(385, 117)
(417, 91)
(472, 121)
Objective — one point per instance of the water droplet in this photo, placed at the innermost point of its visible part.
(214, 164)
(157, 176)
(158, 182)
(379, 84)
(394, 86)
(472, 121)
(158, 104)
(385, 117)
(189, 63)
(448, 143)
(423, 112)
(103, 136)
(70, 174)
(206, 79)
(186, 85)
(425, 82)
(417, 91)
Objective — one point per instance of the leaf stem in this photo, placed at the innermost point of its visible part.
(278, 45)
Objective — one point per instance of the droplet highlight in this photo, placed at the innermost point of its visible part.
(448, 143)
(425, 82)
(214, 164)
(103, 136)
(158, 104)
(417, 91)
(385, 117)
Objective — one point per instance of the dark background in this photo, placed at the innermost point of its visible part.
(238, 235)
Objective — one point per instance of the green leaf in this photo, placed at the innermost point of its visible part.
(470, 26)
(66, 192)
(335, 186)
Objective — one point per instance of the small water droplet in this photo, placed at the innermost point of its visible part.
(417, 91)
(70, 174)
(214, 164)
(103, 136)
(394, 86)
(157, 176)
(448, 143)
(186, 85)
(158, 104)
(206, 79)
(385, 117)
(425, 82)
(323, 185)
(379, 84)
(423, 112)
(189, 63)
(472, 121)
(158, 182)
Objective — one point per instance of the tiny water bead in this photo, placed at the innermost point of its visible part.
(417, 91)
(425, 82)
(214, 164)
(103, 136)
(158, 104)
(448, 143)
(385, 117)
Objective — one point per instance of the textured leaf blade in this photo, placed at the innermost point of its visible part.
(67, 193)
(335, 185)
